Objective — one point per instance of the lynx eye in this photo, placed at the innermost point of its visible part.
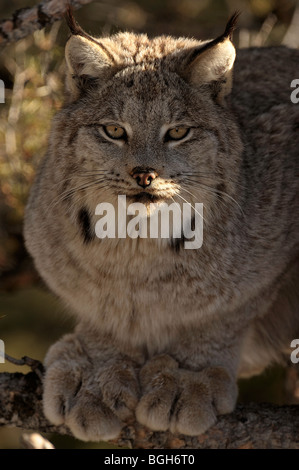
(177, 133)
(115, 132)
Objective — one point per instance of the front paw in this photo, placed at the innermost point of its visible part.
(183, 401)
(90, 398)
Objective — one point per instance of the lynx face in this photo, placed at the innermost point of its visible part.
(147, 120)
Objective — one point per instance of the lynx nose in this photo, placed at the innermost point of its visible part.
(144, 177)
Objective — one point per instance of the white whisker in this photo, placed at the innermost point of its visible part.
(185, 200)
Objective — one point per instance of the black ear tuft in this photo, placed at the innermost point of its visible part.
(228, 33)
(75, 28)
(71, 22)
(231, 25)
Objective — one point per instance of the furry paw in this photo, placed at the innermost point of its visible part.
(183, 401)
(90, 398)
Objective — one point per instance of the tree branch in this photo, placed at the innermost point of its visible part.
(249, 427)
(27, 20)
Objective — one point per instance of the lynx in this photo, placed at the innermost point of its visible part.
(164, 332)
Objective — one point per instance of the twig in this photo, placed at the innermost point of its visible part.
(35, 365)
(291, 38)
(27, 20)
(261, 37)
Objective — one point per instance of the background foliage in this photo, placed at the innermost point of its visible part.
(33, 69)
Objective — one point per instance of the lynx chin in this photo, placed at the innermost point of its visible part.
(153, 220)
(163, 332)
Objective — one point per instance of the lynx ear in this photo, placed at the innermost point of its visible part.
(87, 59)
(212, 64)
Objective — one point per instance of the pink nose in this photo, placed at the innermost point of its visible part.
(144, 177)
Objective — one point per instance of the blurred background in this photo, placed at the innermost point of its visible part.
(31, 318)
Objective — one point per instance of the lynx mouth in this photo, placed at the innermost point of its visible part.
(145, 197)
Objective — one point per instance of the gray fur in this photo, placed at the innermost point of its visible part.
(163, 332)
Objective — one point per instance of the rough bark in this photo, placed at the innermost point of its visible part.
(253, 426)
(27, 20)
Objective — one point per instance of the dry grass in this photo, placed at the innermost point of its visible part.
(35, 65)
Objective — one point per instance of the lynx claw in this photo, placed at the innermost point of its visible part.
(91, 401)
(182, 401)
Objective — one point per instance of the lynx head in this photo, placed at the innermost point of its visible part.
(146, 118)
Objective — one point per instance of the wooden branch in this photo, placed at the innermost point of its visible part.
(27, 20)
(251, 426)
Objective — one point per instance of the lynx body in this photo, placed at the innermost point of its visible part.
(163, 332)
